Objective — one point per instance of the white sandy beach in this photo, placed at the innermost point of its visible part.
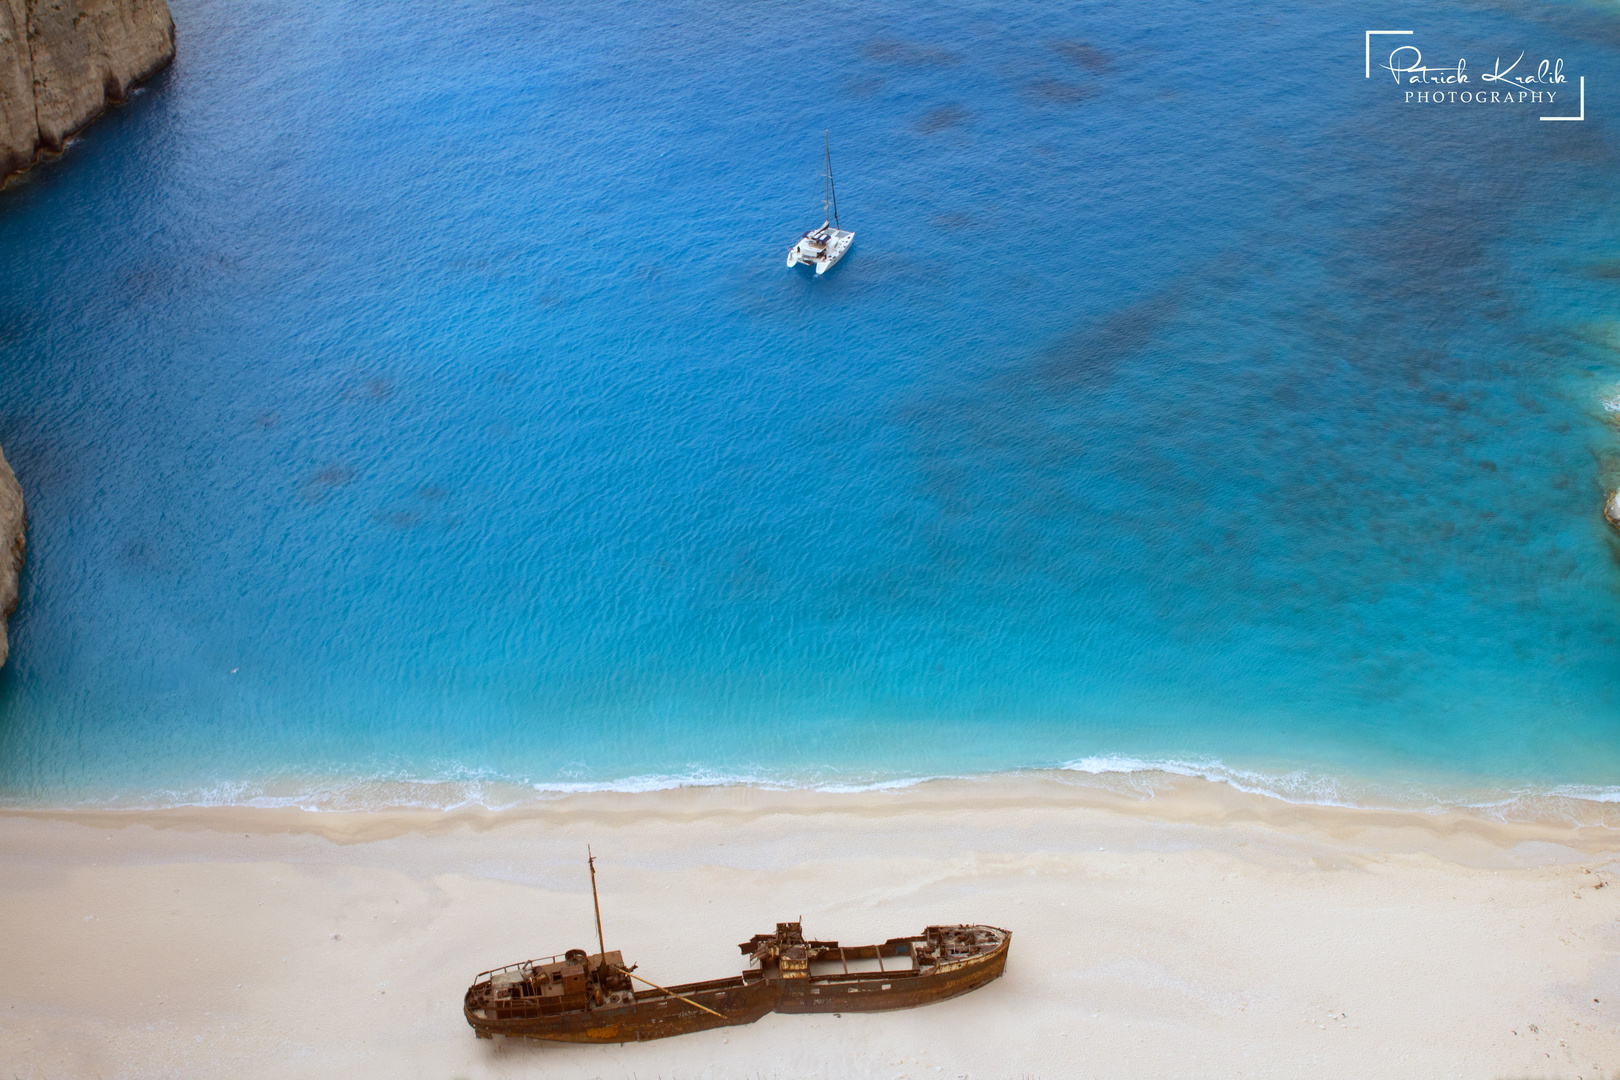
(1199, 933)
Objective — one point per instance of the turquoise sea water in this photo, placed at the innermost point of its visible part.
(416, 392)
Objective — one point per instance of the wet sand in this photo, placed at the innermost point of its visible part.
(1199, 932)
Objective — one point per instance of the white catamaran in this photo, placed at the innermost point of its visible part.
(823, 247)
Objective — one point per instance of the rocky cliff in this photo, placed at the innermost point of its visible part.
(13, 545)
(63, 61)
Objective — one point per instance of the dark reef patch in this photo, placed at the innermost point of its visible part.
(1087, 56)
(908, 54)
(323, 481)
(396, 519)
(1062, 93)
(946, 116)
(1090, 356)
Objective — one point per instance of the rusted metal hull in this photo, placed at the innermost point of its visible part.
(891, 991)
(653, 1016)
(739, 1000)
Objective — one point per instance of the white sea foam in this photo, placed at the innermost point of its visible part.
(456, 790)
(763, 780)
(1143, 777)
(1587, 793)
(1517, 803)
(1297, 786)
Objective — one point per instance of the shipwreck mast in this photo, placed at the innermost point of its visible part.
(600, 944)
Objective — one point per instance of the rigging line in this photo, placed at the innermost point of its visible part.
(671, 993)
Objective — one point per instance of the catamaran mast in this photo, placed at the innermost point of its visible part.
(832, 191)
(600, 944)
(826, 181)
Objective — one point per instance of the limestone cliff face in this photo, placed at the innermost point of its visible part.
(63, 61)
(13, 545)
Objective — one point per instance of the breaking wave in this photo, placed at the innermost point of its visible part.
(1127, 775)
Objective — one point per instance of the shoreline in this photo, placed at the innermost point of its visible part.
(1200, 930)
(1465, 835)
(1135, 782)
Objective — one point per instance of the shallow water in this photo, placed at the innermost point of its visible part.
(416, 392)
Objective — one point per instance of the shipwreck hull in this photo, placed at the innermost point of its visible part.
(654, 1015)
(797, 977)
(890, 991)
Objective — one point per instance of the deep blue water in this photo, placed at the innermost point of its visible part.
(416, 391)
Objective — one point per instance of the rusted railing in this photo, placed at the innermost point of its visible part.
(492, 972)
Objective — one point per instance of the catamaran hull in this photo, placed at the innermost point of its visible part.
(740, 1000)
(822, 265)
(822, 257)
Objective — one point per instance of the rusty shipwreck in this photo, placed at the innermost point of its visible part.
(594, 998)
